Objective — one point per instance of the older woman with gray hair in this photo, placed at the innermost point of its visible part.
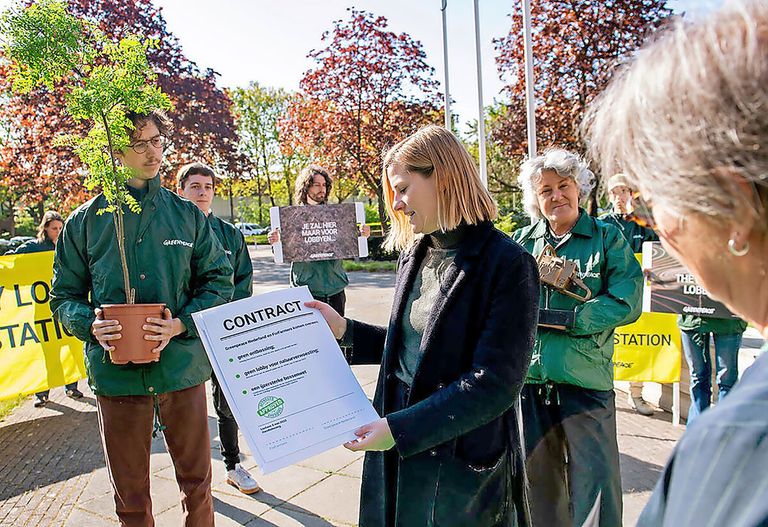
(687, 122)
(568, 402)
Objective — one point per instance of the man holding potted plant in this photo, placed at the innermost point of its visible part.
(197, 183)
(173, 258)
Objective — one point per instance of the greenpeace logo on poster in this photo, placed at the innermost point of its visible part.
(178, 242)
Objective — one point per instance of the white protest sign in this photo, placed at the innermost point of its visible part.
(286, 380)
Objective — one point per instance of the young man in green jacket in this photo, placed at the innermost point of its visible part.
(173, 258)
(197, 183)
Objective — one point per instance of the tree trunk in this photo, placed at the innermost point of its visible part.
(231, 204)
(40, 211)
(382, 210)
(259, 195)
(592, 205)
(288, 188)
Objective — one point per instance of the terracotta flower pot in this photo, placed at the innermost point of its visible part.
(132, 347)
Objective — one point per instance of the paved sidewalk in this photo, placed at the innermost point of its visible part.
(52, 467)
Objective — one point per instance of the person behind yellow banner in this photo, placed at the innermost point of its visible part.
(685, 120)
(47, 235)
(620, 195)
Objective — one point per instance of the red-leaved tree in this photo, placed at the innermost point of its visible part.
(369, 88)
(576, 47)
(204, 126)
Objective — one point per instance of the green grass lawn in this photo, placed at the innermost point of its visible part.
(370, 266)
(261, 239)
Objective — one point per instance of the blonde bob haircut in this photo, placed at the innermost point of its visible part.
(435, 152)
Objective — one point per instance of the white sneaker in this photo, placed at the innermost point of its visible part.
(640, 406)
(242, 480)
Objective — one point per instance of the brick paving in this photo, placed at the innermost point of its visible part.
(52, 467)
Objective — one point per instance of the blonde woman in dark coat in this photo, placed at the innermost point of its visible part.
(447, 448)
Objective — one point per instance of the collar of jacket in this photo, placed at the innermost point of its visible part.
(154, 186)
(585, 226)
(472, 242)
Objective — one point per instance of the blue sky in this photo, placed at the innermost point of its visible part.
(267, 40)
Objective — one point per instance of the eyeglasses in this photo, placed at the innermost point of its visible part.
(642, 212)
(159, 141)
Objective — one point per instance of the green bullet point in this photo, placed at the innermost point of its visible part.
(237, 376)
(231, 360)
(245, 392)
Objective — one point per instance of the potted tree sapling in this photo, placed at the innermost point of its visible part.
(47, 47)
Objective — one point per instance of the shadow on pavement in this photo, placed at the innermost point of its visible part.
(658, 415)
(242, 517)
(638, 475)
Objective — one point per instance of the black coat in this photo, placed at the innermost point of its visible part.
(458, 457)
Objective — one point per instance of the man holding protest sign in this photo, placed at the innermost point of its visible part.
(620, 195)
(177, 261)
(326, 279)
(197, 182)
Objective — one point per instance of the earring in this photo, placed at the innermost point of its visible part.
(737, 252)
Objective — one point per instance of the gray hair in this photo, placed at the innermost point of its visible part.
(690, 112)
(565, 164)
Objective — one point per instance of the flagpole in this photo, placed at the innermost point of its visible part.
(481, 108)
(445, 66)
(530, 103)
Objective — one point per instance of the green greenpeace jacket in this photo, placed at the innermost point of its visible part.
(632, 232)
(582, 355)
(236, 250)
(323, 277)
(718, 326)
(173, 257)
(35, 246)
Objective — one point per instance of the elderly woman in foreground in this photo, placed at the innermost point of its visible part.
(687, 122)
(568, 403)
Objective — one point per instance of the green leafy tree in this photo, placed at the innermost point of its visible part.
(257, 111)
(104, 80)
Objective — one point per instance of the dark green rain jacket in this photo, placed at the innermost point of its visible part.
(236, 250)
(173, 257)
(632, 232)
(582, 355)
(35, 246)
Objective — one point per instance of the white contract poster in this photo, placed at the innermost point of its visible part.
(289, 387)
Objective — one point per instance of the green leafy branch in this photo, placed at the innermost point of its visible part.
(103, 80)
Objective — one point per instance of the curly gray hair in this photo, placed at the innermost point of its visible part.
(689, 115)
(565, 164)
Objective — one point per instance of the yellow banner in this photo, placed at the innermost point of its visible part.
(648, 350)
(36, 352)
